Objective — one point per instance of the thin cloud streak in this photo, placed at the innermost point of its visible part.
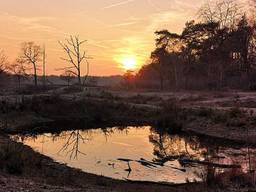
(124, 24)
(118, 4)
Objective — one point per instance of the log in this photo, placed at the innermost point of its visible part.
(225, 166)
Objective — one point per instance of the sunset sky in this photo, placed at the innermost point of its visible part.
(116, 30)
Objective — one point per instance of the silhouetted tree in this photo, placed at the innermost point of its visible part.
(18, 70)
(171, 44)
(31, 54)
(159, 64)
(244, 36)
(212, 53)
(224, 12)
(75, 56)
(146, 76)
(129, 79)
(3, 61)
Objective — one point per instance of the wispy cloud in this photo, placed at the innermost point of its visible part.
(173, 18)
(124, 24)
(157, 8)
(127, 22)
(31, 23)
(118, 4)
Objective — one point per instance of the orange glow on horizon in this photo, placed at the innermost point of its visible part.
(116, 43)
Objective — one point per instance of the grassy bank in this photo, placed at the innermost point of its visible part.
(55, 113)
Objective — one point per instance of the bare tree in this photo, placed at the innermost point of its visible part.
(224, 12)
(3, 61)
(18, 70)
(75, 56)
(31, 54)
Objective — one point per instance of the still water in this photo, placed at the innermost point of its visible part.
(140, 153)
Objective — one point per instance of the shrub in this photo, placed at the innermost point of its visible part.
(10, 158)
(235, 112)
(73, 89)
(15, 158)
(170, 118)
(205, 112)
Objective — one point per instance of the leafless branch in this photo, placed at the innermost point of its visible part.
(75, 56)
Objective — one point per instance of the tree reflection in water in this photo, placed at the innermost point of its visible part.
(179, 152)
(75, 138)
(173, 147)
(73, 141)
(209, 153)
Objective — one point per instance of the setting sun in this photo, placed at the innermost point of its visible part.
(129, 63)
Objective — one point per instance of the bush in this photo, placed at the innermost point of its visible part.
(73, 89)
(205, 112)
(214, 115)
(220, 117)
(106, 95)
(15, 159)
(10, 158)
(170, 118)
(235, 112)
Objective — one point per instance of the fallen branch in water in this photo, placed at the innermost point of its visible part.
(160, 164)
(188, 161)
(148, 164)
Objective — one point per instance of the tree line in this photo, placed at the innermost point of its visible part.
(215, 52)
(32, 55)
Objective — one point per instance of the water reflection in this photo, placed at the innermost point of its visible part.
(141, 153)
(72, 144)
(167, 148)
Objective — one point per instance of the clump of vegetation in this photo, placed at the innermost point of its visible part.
(142, 99)
(221, 116)
(170, 118)
(106, 95)
(31, 89)
(205, 112)
(236, 112)
(73, 89)
(10, 158)
(50, 110)
(15, 159)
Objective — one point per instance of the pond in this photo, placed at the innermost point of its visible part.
(142, 154)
